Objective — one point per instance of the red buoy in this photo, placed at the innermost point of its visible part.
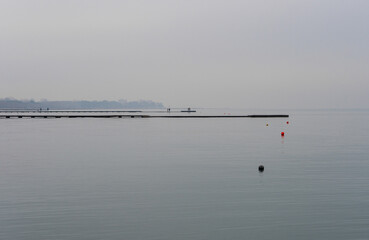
(282, 134)
(288, 122)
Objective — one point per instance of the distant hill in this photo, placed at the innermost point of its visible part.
(8, 103)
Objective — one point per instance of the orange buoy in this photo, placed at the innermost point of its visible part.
(282, 134)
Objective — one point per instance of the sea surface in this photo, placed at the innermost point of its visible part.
(159, 178)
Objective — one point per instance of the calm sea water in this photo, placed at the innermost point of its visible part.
(186, 178)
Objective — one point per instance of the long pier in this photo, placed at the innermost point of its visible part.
(5, 116)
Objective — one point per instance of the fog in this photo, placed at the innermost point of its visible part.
(241, 54)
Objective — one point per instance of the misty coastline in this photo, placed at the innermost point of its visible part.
(9, 103)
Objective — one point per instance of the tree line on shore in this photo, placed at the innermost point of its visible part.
(10, 103)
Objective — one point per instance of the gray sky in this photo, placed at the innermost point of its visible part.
(203, 53)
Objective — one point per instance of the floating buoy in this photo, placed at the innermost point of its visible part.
(288, 122)
(267, 124)
(282, 134)
(261, 168)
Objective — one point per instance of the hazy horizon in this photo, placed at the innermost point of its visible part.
(229, 54)
(186, 106)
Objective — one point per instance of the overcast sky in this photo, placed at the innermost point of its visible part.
(203, 53)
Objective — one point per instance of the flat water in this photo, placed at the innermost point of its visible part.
(186, 178)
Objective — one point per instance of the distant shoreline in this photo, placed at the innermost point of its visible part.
(14, 104)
